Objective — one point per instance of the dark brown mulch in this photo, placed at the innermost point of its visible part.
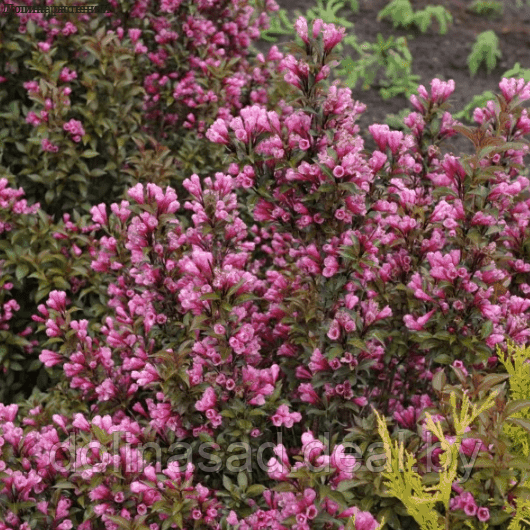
(434, 55)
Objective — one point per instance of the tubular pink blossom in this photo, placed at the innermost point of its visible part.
(512, 88)
(301, 29)
(417, 324)
(218, 132)
(137, 193)
(317, 26)
(50, 358)
(208, 400)
(57, 301)
(99, 213)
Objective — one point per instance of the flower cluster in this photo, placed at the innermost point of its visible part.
(275, 301)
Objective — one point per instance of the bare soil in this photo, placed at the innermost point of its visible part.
(435, 55)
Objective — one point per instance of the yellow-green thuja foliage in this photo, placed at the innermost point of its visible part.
(519, 370)
(407, 486)
(420, 501)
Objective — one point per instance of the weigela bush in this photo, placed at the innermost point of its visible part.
(84, 138)
(37, 256)
(15, 346)
(362, 276)
(92, 88)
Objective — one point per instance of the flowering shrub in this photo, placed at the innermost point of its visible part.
(94, 88)
(252, 321)
(36, 257)
(79, 145)
(13, 336)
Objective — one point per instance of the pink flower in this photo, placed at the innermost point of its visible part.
(208, 400)
(80, 422)
(307, 393)
(219, 329)
(137, 193)
(140, 48)
(8, 413)
(138, 487)
(332, 36)
(301, 29)
(283, 417)
(277, 470)
(50, 358)
(417, 324)
(304, 144)
(232, 518)
(218, 132)
(470, 509)
(468, 446)
(99, 213)
(338, 172)
(134, 34)
(148, 375)
(483, 514)
(334, 331)
(441, 90)
(57, 301)
(460, 365)
(75, 128)
(48, 146)
(512, 88)
(69, 29)
(119, 497)
(407, 418)
(364, 520)
(342, 461)
(67, 75)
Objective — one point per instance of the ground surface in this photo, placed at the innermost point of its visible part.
(434, 55)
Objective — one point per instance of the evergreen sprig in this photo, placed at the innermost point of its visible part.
(486, 49)
(402, 15)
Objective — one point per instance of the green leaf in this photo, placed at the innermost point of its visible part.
(103, 437)
(483, 462)
(41, 293)
(439, 380)
(235, 287)
(515, 406)
(326, 491)
(21, 271)
(443, 358)
(242, 480)
(167, 524)
(255, 490)
(227, 483)
(284, 487)
(501, 483)
(486, 49)
(64, 485)
(120, 521)
(486, 330)
(331, 353)
(61, 283)
(357, 343)
(491, 380)
(346, 485)
(210, 296)
(89, 153)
